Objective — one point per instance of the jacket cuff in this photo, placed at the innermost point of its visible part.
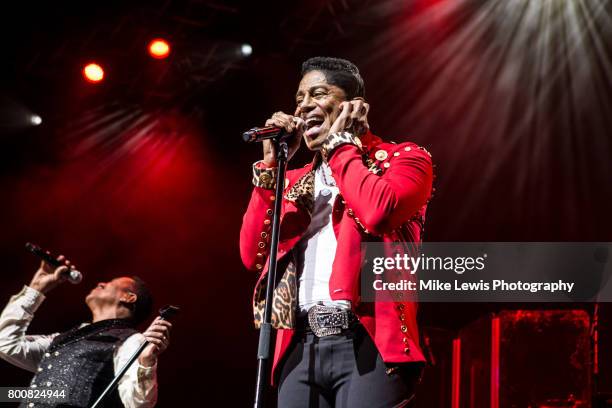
(336, 140)
(264, 177)
(30, 299)
(146, 370)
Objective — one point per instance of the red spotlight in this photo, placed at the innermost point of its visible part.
(93, 72)
(159, 48)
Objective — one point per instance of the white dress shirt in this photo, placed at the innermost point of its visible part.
(316, 250)
(137, 388)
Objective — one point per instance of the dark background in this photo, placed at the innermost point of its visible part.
(146, 174)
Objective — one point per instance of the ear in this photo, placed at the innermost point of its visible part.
(129, 298)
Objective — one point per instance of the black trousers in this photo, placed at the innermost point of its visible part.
(341, 371)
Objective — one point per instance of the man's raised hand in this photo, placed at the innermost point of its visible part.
(353, 117)
(47, 277)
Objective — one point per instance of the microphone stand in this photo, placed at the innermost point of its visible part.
(265, 332)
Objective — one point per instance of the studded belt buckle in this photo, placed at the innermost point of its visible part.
(327, 320)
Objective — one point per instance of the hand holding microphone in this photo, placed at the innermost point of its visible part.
(294, 126)
(52, 271)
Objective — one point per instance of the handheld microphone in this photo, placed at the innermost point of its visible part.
(259, 134)
(73, 275)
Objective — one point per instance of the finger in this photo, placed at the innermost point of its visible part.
(299, 123)
(345, 114)
(276, 121)
(356, 110)
(358, 99)
(366, 110)
(163, 330)
(156, 342)
(159, 331)
(285, 122)
(362, 108)
(154, 335)
(279, 117)
(161, 322)
(156, 323)
(291, 123)
(60, 273)
(347, 109)
(358, 117)
(161, 343)
(361, 104)
(283, 116)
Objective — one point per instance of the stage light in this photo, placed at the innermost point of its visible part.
(93, 72)
(246, 50)
(35, 120)
(159, 48)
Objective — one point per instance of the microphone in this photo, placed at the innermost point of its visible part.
(73, 275)
(259, 134)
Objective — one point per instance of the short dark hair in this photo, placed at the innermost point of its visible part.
(340, 72)
(141, 309)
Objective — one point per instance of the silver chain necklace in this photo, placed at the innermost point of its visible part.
(325, 172)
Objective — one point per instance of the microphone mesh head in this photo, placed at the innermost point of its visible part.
(75, 276)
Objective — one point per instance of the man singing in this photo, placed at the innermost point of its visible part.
(83, 361)
(357, 189)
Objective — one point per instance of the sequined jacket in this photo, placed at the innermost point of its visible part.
(384, 190)
(80, 362)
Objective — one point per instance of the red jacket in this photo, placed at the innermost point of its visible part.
(381, 199)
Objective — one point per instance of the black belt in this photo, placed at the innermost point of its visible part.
(325, 321)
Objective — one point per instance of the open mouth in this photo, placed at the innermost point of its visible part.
(312, 122)
(312, 126)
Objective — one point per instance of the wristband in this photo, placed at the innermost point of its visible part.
(338, 139)
(264, 177)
